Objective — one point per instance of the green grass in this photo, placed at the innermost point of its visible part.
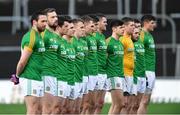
(162, 108)
(12, 109)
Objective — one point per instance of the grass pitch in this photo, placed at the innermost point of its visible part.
(154, 108)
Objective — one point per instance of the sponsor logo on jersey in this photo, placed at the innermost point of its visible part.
(41, 49)
(130, 49)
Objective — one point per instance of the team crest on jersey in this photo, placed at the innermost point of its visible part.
(60, 92)
(53, 40)
(47, 88)
(118, 85)
(41, 43)
(34, 91)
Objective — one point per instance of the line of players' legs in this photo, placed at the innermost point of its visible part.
(89, 101)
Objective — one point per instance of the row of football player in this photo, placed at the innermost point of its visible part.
(68, 64)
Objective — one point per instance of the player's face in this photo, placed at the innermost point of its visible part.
(136, 34)
(79, 28)
(65, 27)
(41, 23)
(120, 30)
(96, 26)
(71, 30)
(89, 27)
(129, 28)
(103, 23)
(138, 25)
(52, 19)
(151, 25)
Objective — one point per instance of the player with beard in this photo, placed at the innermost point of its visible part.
(49, 65)
(29, 65)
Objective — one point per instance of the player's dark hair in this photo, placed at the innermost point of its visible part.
(148, 18)
(87, 18)
(100, 15)
(115, 23)
(77, 20)
(49, 10)
(126, 20)
(93, 16)
(137, 21)
(35, 15)
(62, 19)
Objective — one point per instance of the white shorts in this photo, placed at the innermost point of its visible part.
(101, 82)
(62, 89)
(50, 85)
(31, 87)
(150, 79)
(115, 83)
(141, 84)
(71, 92)
(92, 82)
(85, 84)
(78, 90)
(134, 89)
(128, 84)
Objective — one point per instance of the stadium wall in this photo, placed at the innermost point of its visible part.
(165, 90)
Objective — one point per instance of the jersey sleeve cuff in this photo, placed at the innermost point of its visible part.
(27, 48)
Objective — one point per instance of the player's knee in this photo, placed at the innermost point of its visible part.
(118, 106)
(99, 104)
(56, 109)
(46, 109)
(124, 104)
(145, 102)
(87, 106)
(35, 108)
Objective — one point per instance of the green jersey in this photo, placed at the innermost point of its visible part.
(92, 55)
(149, 46)
(49, 65)
(70, 63)
(85, 67)
(115, 53)
(79, 61)
(62, 59)
(140, 59)
(101, 52)
(33, 42)
(139, 70)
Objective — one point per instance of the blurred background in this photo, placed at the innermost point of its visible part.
(15, 21)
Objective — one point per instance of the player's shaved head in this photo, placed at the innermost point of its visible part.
(77, 20)
(94, 17)
(87, 18)
(115, 23)
(148, 18)
(126, 20)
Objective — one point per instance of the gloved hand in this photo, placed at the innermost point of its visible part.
(14, 79)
